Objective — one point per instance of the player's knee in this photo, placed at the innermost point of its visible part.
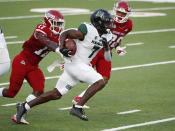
(37, 93)
(11, 94)
(106, 79)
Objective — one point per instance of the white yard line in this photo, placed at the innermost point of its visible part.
(140, 124)
(14, 0)
(11, 104)
(144, 65)
(116, 68)
(128, 112)
(151, 31)
(10, 37)
(155, 1)
(134, 44)
(15, 42)
(151, 9)
(173, 46)
(20, 17)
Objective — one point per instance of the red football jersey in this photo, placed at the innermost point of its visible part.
(119, 31)
(34, 50)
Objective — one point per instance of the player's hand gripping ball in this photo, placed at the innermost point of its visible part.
(71, 44)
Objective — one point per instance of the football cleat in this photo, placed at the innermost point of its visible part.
(76, 100)
(20, 112)
(78, 112)
(23, 121)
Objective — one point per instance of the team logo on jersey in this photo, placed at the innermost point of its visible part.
(23, 62)
(48, 15)
(68, 87)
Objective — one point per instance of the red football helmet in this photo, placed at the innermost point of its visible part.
(122, 11)
(54, 20)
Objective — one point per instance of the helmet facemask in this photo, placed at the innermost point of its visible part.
(121, 12)
(56, 26)
(55, 21)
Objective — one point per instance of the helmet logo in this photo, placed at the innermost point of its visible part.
(48, 15)
(100, 14)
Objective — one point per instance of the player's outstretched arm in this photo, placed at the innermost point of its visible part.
(46, 41)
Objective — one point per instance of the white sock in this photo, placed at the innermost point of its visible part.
(80, 95)
(78, 106)
(1, 89)
(30, 97)
(27, 107)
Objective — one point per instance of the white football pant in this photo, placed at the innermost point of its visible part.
(75, 72)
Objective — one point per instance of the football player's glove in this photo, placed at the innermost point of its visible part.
(121, 50)
(106, 38)
(104, 42)
(65, 52)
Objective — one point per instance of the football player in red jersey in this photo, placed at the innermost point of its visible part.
(122, 25)
(44, 39)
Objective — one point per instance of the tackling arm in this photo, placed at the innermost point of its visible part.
(46, 41)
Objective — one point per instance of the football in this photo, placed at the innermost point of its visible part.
(71, 44)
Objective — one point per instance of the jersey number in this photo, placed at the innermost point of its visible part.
(39, 52)
(94, 49)
(116, 39)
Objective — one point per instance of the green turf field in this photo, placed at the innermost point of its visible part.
(146, 84)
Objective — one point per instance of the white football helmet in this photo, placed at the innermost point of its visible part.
(122, 7)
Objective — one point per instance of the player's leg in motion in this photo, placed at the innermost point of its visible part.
(36, 80)
(56, 93)
(103, 67)
(64, 84)
(16, 79)
(22, 108)
(97, 83)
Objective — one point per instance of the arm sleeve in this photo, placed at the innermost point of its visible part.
(107, 55)
(83, 29)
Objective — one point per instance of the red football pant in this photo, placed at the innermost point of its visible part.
(22, 69)
(102, 66)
